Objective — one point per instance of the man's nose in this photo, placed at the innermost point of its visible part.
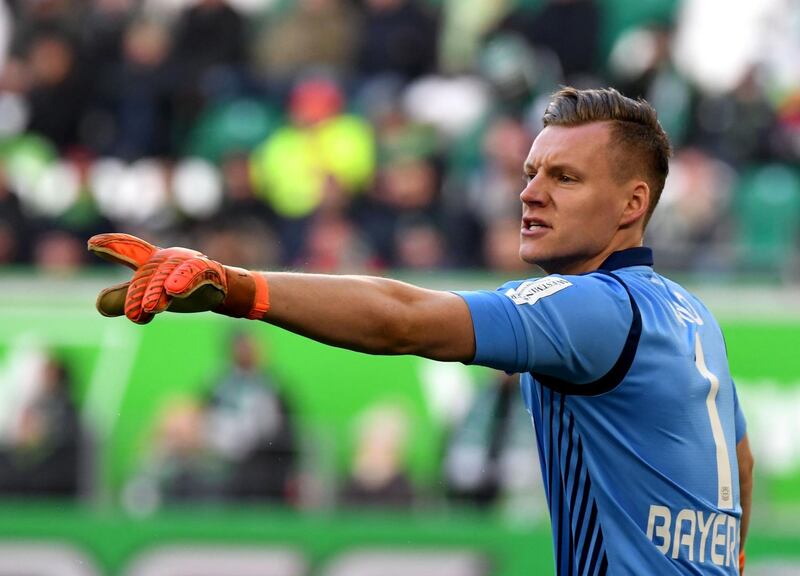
(534, 192)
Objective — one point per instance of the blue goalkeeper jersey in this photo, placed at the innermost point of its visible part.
(626, 377)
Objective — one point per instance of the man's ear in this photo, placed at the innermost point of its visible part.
(637, 204)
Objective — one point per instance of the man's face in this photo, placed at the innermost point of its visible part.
(572, 204)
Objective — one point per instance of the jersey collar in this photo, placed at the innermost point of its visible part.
(639, 256)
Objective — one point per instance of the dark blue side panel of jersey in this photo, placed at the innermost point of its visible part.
(579, 545)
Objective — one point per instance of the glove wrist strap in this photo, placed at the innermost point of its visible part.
(261, 300)
(247, 294)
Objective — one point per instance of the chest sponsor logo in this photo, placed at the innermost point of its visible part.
(532, 291)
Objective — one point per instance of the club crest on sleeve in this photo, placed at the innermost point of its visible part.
(531, 291)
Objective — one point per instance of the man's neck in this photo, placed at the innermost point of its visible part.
(592, 263)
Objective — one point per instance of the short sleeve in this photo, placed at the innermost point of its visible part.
(569, 327)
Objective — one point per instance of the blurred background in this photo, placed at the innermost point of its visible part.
(367, 136)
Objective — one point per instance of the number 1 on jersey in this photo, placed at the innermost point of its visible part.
(724, 485)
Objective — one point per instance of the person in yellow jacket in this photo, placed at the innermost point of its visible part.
(294, 165)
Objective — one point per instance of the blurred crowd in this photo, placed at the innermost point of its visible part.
(360, 135)
(235, 442)
(240, 439)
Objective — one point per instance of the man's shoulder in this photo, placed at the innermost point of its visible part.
(567, 293)
(677, 298)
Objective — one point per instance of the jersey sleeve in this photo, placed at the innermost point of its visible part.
(568, 327)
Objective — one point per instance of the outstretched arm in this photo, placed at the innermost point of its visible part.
(375, 315)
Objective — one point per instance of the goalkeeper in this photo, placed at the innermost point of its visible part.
(641, 438)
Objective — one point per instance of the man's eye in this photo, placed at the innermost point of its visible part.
(528, 177)
(565, 179)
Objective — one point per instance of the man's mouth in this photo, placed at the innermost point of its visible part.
(533, 224)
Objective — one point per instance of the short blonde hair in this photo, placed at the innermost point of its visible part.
(642, 147)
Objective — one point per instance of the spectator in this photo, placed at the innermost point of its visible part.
(398, 37)
(210, 51)
(788, 130)
(491, 190)
(103, 29)
(251, 427)
(59, 252)
(179, 466)
(420, 244)
(377, 477)
(297, 162)
(692, 232)
(16, 229)
(406, 188)
(545, 26)
(641, 63)
(332, 242)
(143, 88)
(103, 33)
(737, 126)
(209, 34)
(488, 456)
(57, 91)
(464, 24)
(44, 17)
(44, 456)
(310, 34)
(517, 72)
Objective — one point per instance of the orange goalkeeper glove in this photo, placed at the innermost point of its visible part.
(175, 279)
